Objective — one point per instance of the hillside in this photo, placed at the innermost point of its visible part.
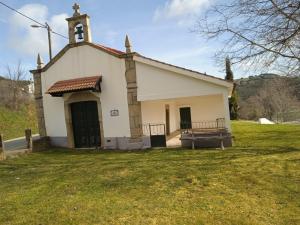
(278, 102)
(10, 88)
(247, 87)
(13, 123)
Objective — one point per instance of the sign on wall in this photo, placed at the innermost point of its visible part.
(114, 112)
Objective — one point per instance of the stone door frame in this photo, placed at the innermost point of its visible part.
(81, 97)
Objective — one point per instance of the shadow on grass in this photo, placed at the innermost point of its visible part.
(263, 150)
(203, 157)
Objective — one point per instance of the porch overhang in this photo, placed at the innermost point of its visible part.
(75, 85)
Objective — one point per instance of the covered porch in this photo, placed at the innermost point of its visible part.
(178, 116)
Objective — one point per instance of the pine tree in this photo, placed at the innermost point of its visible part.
(229, 73)
(233, 104)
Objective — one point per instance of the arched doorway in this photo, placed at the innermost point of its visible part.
(85, 121)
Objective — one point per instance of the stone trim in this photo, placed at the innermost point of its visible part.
(84, 20)
(80, 97)
(38, 96)
(134, 106)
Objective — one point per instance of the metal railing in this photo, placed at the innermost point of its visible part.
(214, 124)
(160, 128)
(203, 125)
(154, 129)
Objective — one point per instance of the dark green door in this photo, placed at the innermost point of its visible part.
(185, 118)
(85, 122)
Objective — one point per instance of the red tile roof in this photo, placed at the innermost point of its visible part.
(112, 50)
(74, 85)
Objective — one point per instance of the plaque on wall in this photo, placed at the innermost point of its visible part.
(114, 112)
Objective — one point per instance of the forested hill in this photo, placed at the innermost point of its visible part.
(247, 87)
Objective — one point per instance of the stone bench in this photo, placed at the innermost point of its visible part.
(209, 139)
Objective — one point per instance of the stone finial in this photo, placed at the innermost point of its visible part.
(127, 44)
(76, 8)
(39, 62)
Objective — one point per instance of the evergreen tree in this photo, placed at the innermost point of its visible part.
(233, 103)
(229, 73)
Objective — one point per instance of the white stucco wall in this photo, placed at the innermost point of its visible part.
(157, 83)
(87, 61)
(203, 108)
(154, 112)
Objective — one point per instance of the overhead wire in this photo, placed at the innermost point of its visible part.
(33, 20)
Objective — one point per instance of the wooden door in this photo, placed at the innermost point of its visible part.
(85, 122)
(185, 118)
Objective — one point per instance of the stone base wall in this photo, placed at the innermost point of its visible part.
(114, 143)
(59, 142)
(125, 143)
(41, 144)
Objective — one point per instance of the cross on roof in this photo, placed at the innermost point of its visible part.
(76, 8)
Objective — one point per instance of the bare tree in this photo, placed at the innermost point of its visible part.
(258, 33)
(282, 97)
(275, 100)
(16, 85)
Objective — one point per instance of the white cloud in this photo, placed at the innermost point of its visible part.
(28, 40)
(181, 10)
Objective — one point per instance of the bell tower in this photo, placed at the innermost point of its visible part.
(79, 26)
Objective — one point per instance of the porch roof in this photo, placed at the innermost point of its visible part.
(74, 85)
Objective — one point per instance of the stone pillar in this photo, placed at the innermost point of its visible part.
(134, 106)
(2, 154)
(28, 137)
(38, 96)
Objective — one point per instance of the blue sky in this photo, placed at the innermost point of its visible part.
(157, 28)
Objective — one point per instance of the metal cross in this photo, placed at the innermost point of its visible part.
(76, 8)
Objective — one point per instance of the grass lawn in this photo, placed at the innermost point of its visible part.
(255, 182)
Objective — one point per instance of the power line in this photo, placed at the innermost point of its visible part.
(33, 20)
(59, 34)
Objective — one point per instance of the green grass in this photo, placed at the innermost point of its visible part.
(14, 123)
(255, 182)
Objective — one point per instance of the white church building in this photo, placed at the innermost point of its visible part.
(90, 95)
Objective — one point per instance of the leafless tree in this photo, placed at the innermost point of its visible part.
(16, 85)
(275, 100)
(256, 33)
(282, 98)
